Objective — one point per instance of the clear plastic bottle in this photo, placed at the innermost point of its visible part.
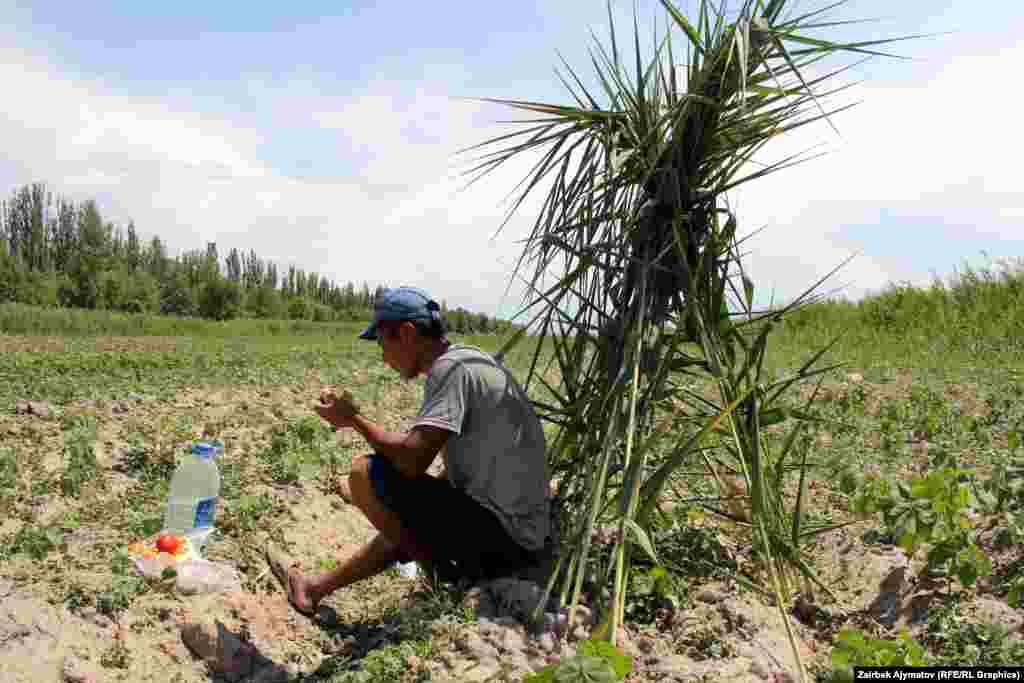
(195, 487)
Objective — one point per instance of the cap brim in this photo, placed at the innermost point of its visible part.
(370, 333)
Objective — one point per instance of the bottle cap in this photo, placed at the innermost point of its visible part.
(204, 450)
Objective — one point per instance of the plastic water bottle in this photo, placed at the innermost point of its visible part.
(195, 487)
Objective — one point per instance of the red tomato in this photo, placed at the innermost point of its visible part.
(167, 543)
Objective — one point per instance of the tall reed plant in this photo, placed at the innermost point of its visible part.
(650, 301)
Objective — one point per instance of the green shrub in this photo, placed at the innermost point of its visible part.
(220, 299)
(299, 449)
(79, 456)
(177, 297)
(8, 471)
(299, 308)
(125, 586)
(966, 643)
(853, 648)
(595, 661)
(35, 542)
(930, 509)
(264, 302)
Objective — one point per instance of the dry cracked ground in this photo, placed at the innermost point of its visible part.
(71, 612)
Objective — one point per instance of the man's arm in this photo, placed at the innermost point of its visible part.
(410, 452)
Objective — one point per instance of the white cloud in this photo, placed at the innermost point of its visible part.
(946, 146)
(193, 178)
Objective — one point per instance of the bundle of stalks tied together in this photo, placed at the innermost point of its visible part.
(641, 302)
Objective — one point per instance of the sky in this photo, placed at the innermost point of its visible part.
(326, 135)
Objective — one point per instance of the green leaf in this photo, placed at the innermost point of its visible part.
(545, 675)
(848, 481)
(967, 573)
(642, 539)
(931, 486)
(1013, 598)
(582, 669)
(600, 632)
(748, 291)
(622, 664)
(972, 563)
(906, 534)
(940, 554)
(685, 25)
(773, 416)
(851, 638)
(840, 659)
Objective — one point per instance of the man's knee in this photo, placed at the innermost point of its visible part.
(359, 477)
(361, 466)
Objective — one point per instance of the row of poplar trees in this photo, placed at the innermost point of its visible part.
(54, 252)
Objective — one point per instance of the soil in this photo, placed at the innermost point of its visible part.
(252, 634)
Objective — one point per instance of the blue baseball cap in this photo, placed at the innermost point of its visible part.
(401, 303)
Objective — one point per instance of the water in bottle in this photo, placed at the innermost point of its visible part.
(192, 501)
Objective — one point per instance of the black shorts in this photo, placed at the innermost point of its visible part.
(446, 527)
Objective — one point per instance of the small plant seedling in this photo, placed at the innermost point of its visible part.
(931, 509)
(595, 661)
(853, 648)
(35, 542)
(79, 456)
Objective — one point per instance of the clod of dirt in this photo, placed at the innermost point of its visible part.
(680, 668)
(272, 674)
(886, 607)
(474, 672)
(709, 596)
(474, 646)
(203, 576)
(225, 653)
(987, 610)
(29, 629)
(37, 408)
(76, 670)
(514, 597)
(805, 608)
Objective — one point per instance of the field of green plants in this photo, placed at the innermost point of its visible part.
(914, 494)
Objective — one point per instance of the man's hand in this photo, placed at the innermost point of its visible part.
(337, 410)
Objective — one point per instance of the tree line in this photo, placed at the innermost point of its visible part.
(55, 252)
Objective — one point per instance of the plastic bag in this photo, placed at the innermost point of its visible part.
(153, 566)
(202, 576)
(151, 563)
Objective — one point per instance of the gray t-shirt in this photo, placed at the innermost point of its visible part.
(496, 451)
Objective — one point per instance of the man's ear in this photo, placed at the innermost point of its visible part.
(408, 331)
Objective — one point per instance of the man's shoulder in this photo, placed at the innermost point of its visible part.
(464, 354)
(462, 362)
(456, 360)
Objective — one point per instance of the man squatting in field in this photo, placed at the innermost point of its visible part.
(488, 515)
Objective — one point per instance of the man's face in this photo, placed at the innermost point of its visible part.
(398, 346)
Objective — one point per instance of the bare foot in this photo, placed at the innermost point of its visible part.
(303, 596)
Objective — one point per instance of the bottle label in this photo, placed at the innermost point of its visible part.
(205, 509)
